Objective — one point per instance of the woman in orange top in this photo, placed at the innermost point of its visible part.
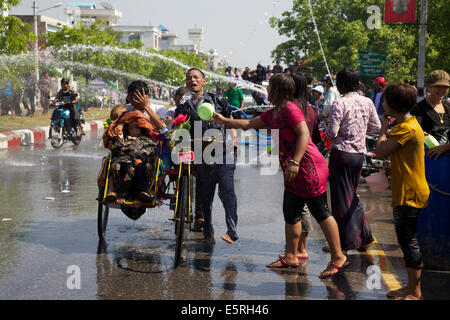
(130, 137)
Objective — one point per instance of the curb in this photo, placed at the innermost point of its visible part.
(26, 137)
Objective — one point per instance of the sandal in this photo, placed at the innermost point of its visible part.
(283, 263)
(334, 266)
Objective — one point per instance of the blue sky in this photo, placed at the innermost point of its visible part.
(237, 29)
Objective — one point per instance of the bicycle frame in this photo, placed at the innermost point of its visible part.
(183, 163)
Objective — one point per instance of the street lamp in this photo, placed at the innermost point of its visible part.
(36, 44)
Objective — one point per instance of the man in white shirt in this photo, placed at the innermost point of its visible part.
(331, 94)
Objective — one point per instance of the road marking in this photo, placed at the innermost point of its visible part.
(378, 256)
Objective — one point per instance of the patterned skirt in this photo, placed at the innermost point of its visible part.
(345, 172)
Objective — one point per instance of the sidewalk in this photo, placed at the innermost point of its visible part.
(26, 137)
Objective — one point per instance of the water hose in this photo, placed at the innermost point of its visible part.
(257, 133)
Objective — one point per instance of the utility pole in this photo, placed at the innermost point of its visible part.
(36, 43)
(422, 48)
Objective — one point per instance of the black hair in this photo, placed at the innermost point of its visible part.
(401, 97)
(196, 69)
(309, 78)
(301, 89)
(347, 80)
(65, 81)
(138, 85)
(327, 79)
(181, 91)
(282, 88)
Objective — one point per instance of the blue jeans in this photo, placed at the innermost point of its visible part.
(208, 176)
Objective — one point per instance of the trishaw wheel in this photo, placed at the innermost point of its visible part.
(182, 211)
(102, 218)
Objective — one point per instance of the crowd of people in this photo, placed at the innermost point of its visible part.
(335, 108)
(391, 111)
(263, 73)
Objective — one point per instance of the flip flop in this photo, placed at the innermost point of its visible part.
(339, 269)
(283, 264)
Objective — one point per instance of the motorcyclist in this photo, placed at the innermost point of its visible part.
(67, 94)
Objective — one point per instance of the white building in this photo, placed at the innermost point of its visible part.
(212, 59)
(168, 40)
(149, 35)
(196, 36)
(159, 38)
(88, 13)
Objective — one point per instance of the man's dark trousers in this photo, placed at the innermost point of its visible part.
(209, 176)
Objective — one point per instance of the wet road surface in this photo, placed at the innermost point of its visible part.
(48, 235)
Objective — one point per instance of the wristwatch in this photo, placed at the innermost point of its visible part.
(293, 162)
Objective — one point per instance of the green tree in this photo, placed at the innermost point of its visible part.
(344, 33)
(438, 36)
(131, 61)
(14, 34)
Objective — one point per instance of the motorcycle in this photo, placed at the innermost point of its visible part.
(58, 134)
(370, 163)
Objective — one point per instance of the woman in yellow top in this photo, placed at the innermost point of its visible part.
(405, 146)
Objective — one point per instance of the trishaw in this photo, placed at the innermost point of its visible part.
(173, 183)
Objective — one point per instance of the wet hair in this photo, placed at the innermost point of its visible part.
(401, 97)
(347, 80)
(138, 85)
(65, 81)
(282, 88)
(301, 92)
(181, 91)
(117, 110)
(196, 69)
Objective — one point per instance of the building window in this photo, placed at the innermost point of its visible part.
(134, 36)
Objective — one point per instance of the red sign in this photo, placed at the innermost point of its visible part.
(400, 11)
(186, 157)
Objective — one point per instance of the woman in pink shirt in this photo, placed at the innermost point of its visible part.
(351, 117)
(305, 172)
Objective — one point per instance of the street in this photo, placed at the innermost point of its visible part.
(49, 247)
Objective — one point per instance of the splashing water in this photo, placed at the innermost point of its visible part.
(78, 65)
(77, 48)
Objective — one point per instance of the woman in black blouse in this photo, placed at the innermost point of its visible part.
(433, 113)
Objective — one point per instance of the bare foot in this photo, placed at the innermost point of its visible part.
(227, 238)
(397, 293)
(301, 255)
(408, 296)
(327, 250)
